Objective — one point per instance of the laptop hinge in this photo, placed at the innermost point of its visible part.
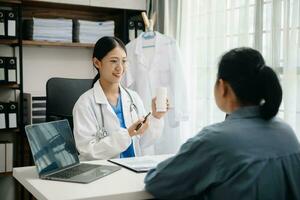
(48, 174)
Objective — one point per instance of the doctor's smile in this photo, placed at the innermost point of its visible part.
(118, 75)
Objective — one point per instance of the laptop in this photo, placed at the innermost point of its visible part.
(55, 155)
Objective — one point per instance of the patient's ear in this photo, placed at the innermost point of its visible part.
(223, 86)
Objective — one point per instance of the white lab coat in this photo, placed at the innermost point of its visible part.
(87, 120)
(160, 68)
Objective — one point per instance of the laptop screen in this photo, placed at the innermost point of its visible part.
(52, 145)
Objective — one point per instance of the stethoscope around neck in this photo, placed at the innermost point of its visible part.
(101, 130)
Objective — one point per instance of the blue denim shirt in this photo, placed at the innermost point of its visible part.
(244, 157)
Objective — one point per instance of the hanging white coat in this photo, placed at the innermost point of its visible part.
(87, 121)
(162, 67)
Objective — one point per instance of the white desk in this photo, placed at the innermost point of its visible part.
(121, 185)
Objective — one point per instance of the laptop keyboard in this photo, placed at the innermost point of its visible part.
(74, 171)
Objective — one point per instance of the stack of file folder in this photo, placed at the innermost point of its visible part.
(34, 109)
(90, 32)
(54, 30)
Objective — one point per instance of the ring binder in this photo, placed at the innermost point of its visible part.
(6, 156)
(2, 116)
(12, 115)
(131, 30)
(2, 23)
(2, 157)
(139, 28)
(2, 70)
(9, 157)
(12, 23)
(11, 66)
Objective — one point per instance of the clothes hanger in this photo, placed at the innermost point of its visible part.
(149, 33)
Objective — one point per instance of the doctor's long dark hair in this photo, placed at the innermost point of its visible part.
(251, 80)
(102, 47)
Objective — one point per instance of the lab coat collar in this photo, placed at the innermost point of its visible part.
(139, 42)
(99, 95)
(100, 98)
(139, 52)
(245, 112)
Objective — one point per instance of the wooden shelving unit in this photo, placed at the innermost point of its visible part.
(15, 90)
(56, 44)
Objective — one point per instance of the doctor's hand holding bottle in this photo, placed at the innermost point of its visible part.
(142, 124)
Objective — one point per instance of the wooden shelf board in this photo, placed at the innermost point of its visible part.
(9, 131)
(5, 174)
(8, 41)
(11, 1)
(57, 44)
(10, 86)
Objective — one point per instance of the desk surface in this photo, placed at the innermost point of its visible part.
(121, 185)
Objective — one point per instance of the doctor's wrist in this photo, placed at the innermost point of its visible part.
(157, 115)
(131, 133)
(132, 130)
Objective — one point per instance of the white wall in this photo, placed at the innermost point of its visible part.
(42, 63)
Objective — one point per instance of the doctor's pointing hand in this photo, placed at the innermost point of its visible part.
(110, 120)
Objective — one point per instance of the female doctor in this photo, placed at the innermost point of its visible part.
(109, 119)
